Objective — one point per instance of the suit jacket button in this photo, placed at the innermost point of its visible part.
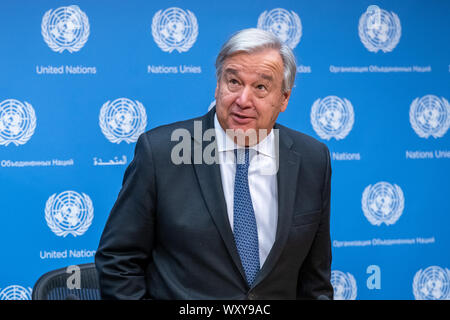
(252, 296)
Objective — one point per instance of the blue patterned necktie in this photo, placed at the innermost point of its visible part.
(244, 221)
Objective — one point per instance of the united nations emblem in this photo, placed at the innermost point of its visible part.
(344, 285)
(122, 120)
(430, 116)
(17, 122)
(69, 213)
(66, 28)
(15, 292)
(383, 203)
(433, 283)
(379, 29)
(286, 25)
(174, 29)
(332, 117)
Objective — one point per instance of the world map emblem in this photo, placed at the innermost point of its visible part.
(174, 29)
(332, 117)
(69, 213)
(430, 116)
(286, 25)
(65, 28)
(379, 30)
(433, 283)
(17, 122)
(122, 120)
(383, 203)
(15, 292)
(344, 285)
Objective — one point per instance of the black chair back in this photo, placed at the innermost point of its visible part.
(79, 282)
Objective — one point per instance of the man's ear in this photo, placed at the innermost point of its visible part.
(216, 92)
(284, 100)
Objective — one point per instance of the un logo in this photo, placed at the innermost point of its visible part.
(286, 25)
(174, 29)
(69, 213)
(433, 283)
(66, 28)
(17, 122)
(15, 292)
(122, 120)
(332, 117)
(344, 285)
(379, 29)
(383, 203)
(430, 116)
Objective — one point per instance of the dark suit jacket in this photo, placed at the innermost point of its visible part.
(168, 234)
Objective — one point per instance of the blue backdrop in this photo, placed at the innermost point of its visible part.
(80, 80)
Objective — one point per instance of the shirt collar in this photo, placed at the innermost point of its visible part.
(225, 143)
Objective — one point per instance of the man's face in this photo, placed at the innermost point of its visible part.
(249, 92)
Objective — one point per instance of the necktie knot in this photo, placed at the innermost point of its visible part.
(242, 157)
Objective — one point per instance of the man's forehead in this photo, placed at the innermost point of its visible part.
(266, 63)
(267, 75)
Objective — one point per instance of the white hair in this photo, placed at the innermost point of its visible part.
(252, 40)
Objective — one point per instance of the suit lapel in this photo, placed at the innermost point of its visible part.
(287, 180)
(210, 182)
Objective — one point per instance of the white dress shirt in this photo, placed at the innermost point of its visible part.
(262, 180)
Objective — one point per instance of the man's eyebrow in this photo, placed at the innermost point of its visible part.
(232, 71)
(236, 72)
(266, 76)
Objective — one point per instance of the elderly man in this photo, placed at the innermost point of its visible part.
(229, 228)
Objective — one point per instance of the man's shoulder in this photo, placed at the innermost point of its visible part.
(164, 135)
(301, 141)
(165, 129)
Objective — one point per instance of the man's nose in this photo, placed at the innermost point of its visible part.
(245, 97)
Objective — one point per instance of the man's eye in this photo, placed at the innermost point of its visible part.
(233, 81)
(261, 87)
